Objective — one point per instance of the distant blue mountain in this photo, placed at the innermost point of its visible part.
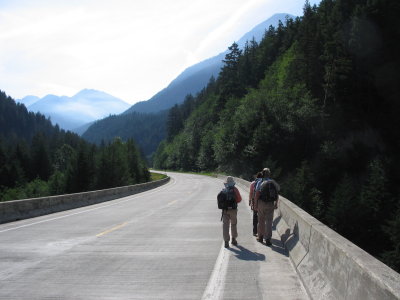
(28, 100)
(195, 78)
(73, 112)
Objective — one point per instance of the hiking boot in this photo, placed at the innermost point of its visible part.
(268, 242)
(226, 244)
(260, 239)
(234, 241)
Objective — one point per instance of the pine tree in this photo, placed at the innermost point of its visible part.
(174, 122)
(40, 158)
(229, 78)
(342, 207)
(392, 229)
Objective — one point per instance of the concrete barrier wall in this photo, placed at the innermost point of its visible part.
(29, 208)
(330, 266)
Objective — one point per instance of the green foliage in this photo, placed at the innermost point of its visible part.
(33, 189)
(300, 186)
(316, 101)
(230, 83)
(57, 183)
(38, 159)
(343, 206)
(146, 129)
(392, 229)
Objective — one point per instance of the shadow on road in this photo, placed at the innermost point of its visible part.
(245, 254)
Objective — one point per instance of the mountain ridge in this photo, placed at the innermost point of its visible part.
(70, 113)
(196, 77)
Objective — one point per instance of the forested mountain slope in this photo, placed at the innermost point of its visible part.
(39, 159)
(317, 101)
(146, 129)
(145, 121)
(193, 79)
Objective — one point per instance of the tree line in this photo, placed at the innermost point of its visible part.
(146, 129)
(39, 159)
(317, 101)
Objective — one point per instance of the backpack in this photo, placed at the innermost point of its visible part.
(226, 198)
(268, 192)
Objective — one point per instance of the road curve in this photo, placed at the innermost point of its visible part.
(161, 244)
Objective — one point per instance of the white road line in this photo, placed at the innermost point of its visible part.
(92, 209)
(216, 283)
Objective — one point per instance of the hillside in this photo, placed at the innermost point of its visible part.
(147, 130)
(193, 79)
(16, 122)
(148, 127)
(316, 101)
(39, 159)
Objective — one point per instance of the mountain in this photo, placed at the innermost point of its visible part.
(145, 121)
(196, 77)
(72, 112)
(39, 159)
(17, 123)
(29, 100)
(146, 129)
(82, 129)
(323, 115)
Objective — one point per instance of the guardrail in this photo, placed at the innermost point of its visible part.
(330, 266)
(29, 208)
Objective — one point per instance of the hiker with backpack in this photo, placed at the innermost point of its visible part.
(228, 199)
(252, 195)
(266, 201)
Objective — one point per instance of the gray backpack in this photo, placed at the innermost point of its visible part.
(268, 191)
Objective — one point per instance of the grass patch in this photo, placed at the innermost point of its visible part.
(211, 174)
(157, 176)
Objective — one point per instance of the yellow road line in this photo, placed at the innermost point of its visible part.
(112, 229)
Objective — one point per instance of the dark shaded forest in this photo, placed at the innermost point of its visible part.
(317, 101)
(146, 129)
(38, 159)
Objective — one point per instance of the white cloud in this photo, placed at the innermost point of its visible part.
(130, 49)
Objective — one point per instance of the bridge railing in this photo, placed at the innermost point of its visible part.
(330, 266)
(29, 208)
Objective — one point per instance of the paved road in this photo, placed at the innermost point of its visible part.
(160, 244)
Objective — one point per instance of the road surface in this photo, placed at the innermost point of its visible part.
(161, 244)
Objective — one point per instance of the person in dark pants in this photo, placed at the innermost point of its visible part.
(252, 195)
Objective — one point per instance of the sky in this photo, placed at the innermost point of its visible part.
(130, 49)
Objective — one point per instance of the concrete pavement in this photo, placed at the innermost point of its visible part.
(160, 244)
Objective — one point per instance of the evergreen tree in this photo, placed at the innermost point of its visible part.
(174, 122)
(392, 257)
(342, 208)
(371, 210)
(41, 164)
(113, 169)
(229, 78)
